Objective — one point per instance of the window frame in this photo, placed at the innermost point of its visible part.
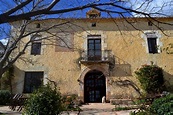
(151, 34)
(36, 43)
(30, 75)
(36, 48)
(152, 45)
(95, 39)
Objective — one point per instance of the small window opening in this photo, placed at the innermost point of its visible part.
(150, 23)
(38, 25)
(93, 16)
(93, 24)
(36, 48)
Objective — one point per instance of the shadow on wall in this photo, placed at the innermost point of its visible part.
(168, 81)
(127, 83)
(121, 68)
(18, 81)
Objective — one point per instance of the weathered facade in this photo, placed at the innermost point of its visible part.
(96, 57)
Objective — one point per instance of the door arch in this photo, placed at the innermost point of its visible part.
(94, 87)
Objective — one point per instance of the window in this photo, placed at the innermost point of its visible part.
(94, 47)
(93, 24)
(32, 81)
(152, 45)
(36, 48)
(93, 16)
(36, 45)
(152, 40)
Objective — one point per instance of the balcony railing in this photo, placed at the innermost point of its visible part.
(96, 56)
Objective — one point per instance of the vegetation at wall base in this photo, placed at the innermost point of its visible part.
(163, 106)
(5, 97)
(151, 78)
(160, 106)
(44, 101)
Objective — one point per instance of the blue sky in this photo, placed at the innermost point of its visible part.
(6, 4)
(154, 5)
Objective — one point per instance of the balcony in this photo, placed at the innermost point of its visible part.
(96, 56)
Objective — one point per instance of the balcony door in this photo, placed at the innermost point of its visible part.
(94, 49)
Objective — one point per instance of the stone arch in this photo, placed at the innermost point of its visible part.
(100, 68)
(87, 69)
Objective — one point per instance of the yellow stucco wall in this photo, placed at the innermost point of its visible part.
(126, 43)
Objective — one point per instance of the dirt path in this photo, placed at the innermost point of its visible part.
(88, 109)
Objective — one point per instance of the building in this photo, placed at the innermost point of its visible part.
(95, 57)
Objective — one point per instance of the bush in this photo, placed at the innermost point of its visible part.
(5, 97)
(44, 101)
(151, 78)
(163, 106)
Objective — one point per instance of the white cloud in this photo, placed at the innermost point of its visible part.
(4, 41)
(154, 7)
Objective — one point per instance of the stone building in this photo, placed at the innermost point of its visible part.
(94, 57)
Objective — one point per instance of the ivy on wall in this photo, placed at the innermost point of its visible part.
(169, 48)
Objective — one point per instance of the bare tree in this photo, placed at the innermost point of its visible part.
(26, 11)
(40, 7)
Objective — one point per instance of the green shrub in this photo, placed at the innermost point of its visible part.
(163, 106)
(44, 101)
(151, 78)
(5, 97)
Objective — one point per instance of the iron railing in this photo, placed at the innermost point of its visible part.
(96, 56)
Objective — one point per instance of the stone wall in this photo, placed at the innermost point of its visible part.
(128, 47)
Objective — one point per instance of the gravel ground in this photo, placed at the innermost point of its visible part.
(88, 109)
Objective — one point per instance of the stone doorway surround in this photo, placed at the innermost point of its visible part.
(103, 68)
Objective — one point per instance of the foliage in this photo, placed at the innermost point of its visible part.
(5, 97)
(2, 113)
(163, 106)
(6, 79)
(44, 101)
(151, 78)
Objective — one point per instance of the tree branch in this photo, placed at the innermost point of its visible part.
(11, 11)
(52, 5)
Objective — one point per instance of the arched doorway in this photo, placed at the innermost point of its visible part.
(94, 87)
